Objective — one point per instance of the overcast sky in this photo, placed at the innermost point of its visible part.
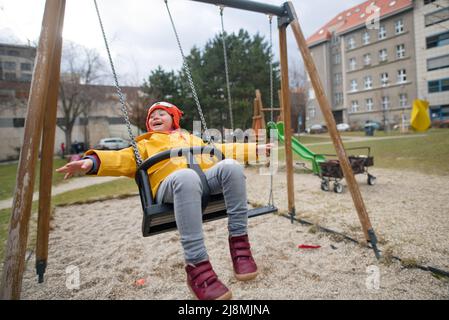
(140, 34)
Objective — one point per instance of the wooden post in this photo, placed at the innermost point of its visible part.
(14, 264)
(48, 146)
(258, 116)
(336, 139)
(286, 112)
(281, 115)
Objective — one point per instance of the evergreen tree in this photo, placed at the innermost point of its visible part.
(248, 62)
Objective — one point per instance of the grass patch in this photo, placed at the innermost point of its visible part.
(8, 174)
(110, 190)
(422, 153)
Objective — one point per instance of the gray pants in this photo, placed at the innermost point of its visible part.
(183, 188)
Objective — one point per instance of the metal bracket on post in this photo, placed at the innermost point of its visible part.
(40, 270)
(288, 16)
(373, 241)
(292, 215)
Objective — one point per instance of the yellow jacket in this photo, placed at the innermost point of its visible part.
(122, 162)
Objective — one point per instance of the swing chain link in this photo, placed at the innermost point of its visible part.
(270, 18)
(189, 77)
(225, 54)
(119, 92)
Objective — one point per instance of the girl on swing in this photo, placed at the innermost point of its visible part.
(173, 182)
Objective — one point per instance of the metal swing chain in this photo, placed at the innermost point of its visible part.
(119, 92)
(189, 76)
(270, 18)
(228, 85)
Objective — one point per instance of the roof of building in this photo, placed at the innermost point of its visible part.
(356, 17)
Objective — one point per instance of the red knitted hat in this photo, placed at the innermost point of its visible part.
(171, 109)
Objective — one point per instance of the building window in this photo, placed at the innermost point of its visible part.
(352, 64)
(382, 32)
(383, 55)
(351, 43)
(354, 106)
(366, 37)
(338, 99)
(353, 85)
(399, 26)
(10, 76)
(18, 122)
(368, 82)
(312, 112)
(385, 102)
(369, 104)
(26, 76)
(436, 17)
(384, 79)
(438, 85)
(400, 51)
(13, 53)
(367, 59)
(438, 63)
(439, 112)
(335, 39)
(338, 78)
(403, 101)
(428, 1)
(402, 76)
(337, 58)
(438, 40)
(25, 66)
(8, 65)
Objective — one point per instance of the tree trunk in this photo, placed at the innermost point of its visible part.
(68, 139)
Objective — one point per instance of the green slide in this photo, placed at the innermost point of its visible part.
(298, 148)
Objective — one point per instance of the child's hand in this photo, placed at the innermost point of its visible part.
(81, 166)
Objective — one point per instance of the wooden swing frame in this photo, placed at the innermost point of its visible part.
(43, 101)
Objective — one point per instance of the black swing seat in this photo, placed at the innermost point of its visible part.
(159, 217)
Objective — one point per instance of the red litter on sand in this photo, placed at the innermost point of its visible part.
(308, 246)
(140, 282)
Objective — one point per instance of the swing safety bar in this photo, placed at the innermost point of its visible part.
(159, 217)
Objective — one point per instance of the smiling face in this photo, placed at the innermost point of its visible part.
(160, 120)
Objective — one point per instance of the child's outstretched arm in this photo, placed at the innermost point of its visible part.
(80, 166)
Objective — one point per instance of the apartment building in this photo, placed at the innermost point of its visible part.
(16, 62)
(16, 68)
(432, 55)
(372, 60)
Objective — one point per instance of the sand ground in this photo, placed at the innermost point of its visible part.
(409, 212)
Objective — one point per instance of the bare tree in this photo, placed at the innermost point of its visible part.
(298, 81)
(297, 75)
(80, 68)
(138, 109)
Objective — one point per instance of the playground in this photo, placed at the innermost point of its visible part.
(115, 262)
(366, 240)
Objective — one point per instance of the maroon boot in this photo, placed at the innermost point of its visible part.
(245, 267)
(204, 283)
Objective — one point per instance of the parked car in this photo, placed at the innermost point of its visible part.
(317, 128)
(343, 127)
(374, 124)
(112, 144)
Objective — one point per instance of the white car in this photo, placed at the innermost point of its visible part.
(112, 144)
(343, 127)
